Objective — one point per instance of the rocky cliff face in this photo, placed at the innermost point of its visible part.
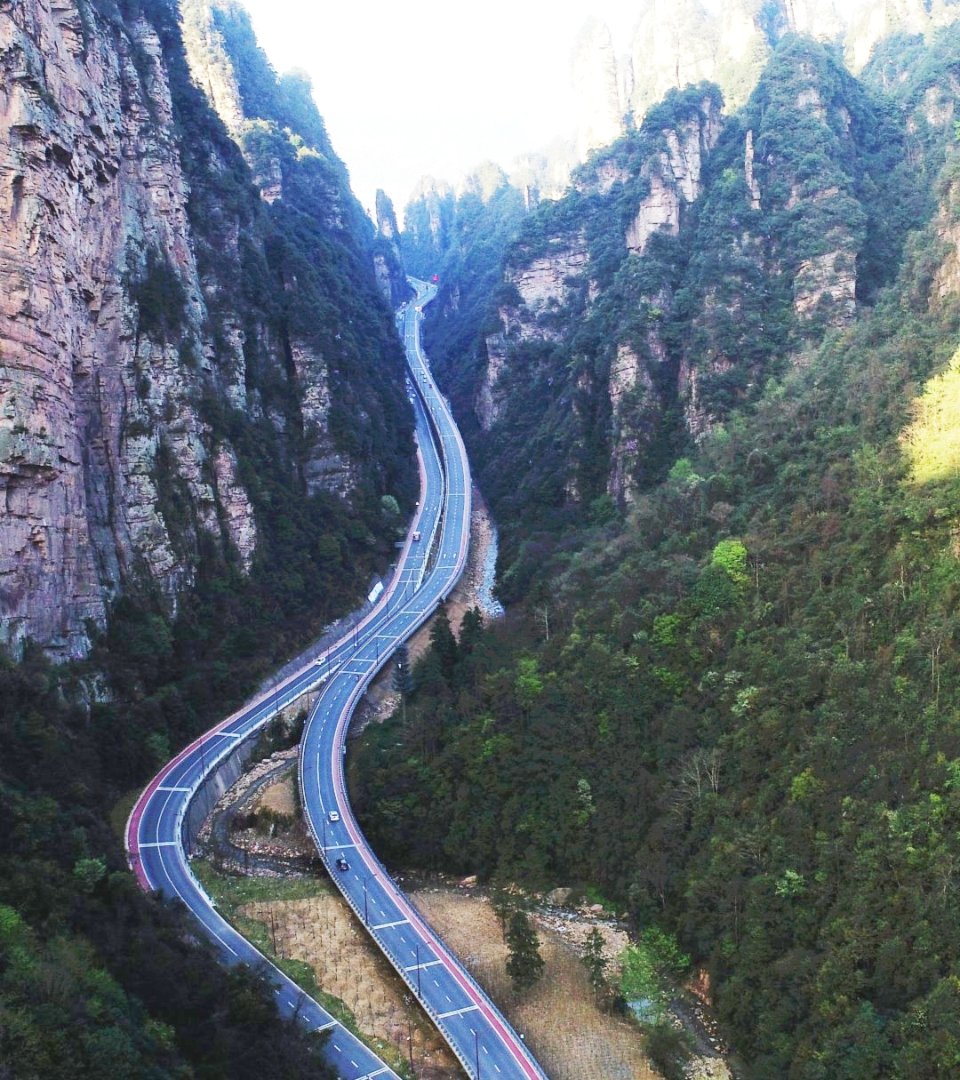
(428, 226)
(633, 400)
(387, 260)
(553, 283)
(488, 402)
(799, 229)
(669, 177)
(95, 202)
(116, 332)
(543, 286)
(210, 66)
(675, 175)
(689, 262)
(682, 43)
(826, 281)
(224, 58)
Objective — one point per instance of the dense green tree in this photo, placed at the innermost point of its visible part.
(402, 676)
(443, 644)
(595, 961)
(524, 962)
(506, 901)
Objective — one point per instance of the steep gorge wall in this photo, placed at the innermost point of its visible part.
(285, 144)
(387, 257)
(121, 328)
(631, 198)
(91, 188)
(692, 261)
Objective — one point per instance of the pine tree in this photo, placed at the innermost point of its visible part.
(594, 960)
(402, 677)
(505, 903)
(471, 630)
(443, 643)
(524, 964)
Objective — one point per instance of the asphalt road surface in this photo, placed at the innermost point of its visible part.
(478, 1034)
(427, 570)
(157, 853)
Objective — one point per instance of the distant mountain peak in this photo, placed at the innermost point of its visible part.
(597, 84)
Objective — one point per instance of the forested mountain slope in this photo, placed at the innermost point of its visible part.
(727, 692)
(203, 413)
(688, 263)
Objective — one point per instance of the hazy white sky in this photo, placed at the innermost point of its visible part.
(408, 90)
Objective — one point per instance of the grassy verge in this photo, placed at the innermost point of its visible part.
(121, 811)
(231, 893)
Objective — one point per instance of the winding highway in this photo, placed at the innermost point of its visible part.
(157, 849)
(474, 1029)
(431, 562)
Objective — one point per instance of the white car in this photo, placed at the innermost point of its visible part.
(333, 816)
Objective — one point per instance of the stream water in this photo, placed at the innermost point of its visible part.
(489, 604)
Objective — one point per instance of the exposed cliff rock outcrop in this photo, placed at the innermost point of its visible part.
(489, 396)
(804, 241)
(675, 175)
(464, 240)
(122, 339)
(95, 199)
(692, 259)
(676, 44)
(632, 396)
(604, 408)
(543, 286)
(751, 181)
(387, 260)
(210, 66)
(827, 280)
(428, 226)
(286, 146)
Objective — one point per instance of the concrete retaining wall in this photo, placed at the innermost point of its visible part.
(228, 772)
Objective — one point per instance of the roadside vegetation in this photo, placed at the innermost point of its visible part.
(95, 978)
(304, 926)
(730, 704)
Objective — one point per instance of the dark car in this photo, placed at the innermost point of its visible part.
(342, 863)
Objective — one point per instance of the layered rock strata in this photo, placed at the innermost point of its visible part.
(94, 199)
(122, 333)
